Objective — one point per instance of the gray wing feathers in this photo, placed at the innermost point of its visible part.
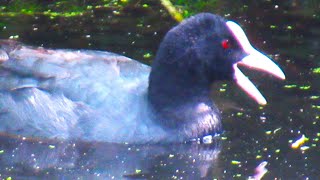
(54, 92)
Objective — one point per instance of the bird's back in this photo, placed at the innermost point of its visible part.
(86, 94)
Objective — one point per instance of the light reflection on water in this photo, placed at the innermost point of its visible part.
(72, 160)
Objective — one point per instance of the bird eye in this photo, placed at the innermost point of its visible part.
(225, 44)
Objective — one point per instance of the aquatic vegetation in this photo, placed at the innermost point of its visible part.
(178, 9)
(26, 7)
(62, 8)
(191, 7)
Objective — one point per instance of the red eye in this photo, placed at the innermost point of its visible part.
(225, 44)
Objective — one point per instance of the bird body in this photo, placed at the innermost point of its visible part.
(101, 96)
(59, 93)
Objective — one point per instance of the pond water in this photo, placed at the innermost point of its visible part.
(288, 31)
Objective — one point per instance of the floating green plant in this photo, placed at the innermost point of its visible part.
(316, 70)
(289, 27)
(147, 55)
(235, 162)
(314, 97)
(305, 87)
(273, 26)
(290, 86)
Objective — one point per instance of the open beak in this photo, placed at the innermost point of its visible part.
(255, 60)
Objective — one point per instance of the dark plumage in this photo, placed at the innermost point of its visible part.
(101, 96)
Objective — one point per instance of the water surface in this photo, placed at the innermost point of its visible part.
(288, 31)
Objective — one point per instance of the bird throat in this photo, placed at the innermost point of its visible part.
(185, 108)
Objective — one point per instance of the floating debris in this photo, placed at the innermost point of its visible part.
(138, 171)
(239, 113)
(316, 70)
(299, 142)
(290, 86)
(147, 55)
(14, 37)
(268, 132)
(234, 162)
(314, 97)
(224, 138)
(276, 130)
(315, 107)
(145, 5)
(273, 26)
(304, 87)
(260, 171)
(304, 148)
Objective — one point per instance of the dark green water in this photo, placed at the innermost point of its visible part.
(288, 31)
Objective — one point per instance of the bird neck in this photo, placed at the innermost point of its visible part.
(182, 102)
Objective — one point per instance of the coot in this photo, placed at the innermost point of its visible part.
(101, 96)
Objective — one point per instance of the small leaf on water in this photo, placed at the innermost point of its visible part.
(290, 86)
(316, 70)
(138, 171)
(235, 162)
(147, 55)
(304, 87)
(273, 26)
